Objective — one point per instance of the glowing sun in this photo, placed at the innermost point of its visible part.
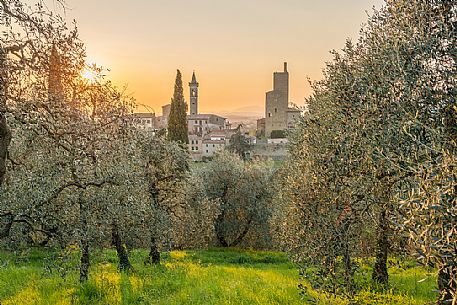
(88, 75)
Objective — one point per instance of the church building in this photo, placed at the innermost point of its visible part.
(208, 133)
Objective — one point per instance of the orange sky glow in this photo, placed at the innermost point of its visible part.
(233, 46)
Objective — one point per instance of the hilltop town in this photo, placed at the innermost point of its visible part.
(351, 199)
(209, 132)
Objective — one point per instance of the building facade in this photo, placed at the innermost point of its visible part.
(200, 126)
(145, 120)
(260, 131)
(278, 115)
(277, 103)
(162, 121)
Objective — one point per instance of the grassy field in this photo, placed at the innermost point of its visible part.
(217, 276)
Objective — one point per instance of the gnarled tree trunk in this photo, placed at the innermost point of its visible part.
(6, 222)
(84, 243)
(5, 138)
(380, 273)
(243, 233)
(447, 284)
(219, 227)
(124, 262)
(154, 254)
(5, 133)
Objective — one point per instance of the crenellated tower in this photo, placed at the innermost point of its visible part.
(277, 103)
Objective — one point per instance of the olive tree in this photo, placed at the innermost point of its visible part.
(165, 167)
(64, 129)
(382, 111)
(243, 192)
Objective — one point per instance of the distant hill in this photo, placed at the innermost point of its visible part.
(248, 120)
(245, 115)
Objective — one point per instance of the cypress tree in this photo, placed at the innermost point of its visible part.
(177, 122)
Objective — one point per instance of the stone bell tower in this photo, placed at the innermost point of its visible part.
(193, 95)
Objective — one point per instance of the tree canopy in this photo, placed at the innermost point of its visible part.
(177, 121)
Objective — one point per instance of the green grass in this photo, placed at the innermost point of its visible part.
(215, 276)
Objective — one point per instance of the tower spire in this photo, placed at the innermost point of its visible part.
(193, 95)
(194, 79)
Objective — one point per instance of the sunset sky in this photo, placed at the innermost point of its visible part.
(233, 46)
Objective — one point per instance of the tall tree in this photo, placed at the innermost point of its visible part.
(63, 128)
(177, 122)
(382, 127)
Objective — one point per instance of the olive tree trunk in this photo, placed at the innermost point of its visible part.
(5, 133)
(380, 273)
(220, 231)
(243, 233)
(154, 254)
(124, 262)
(84, 242)
(447, 284)
(5, 138)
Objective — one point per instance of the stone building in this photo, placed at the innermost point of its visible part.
(201, 124)
(278, 115)
(260, 128)
(199, 127)
(149, 120)
(162, 121)
(216, 140)
(293, 115)
(144, 120)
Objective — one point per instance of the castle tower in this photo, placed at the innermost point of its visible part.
(277, 103)
(193, 95)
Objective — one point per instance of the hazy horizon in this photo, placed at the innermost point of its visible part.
(233, 47)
